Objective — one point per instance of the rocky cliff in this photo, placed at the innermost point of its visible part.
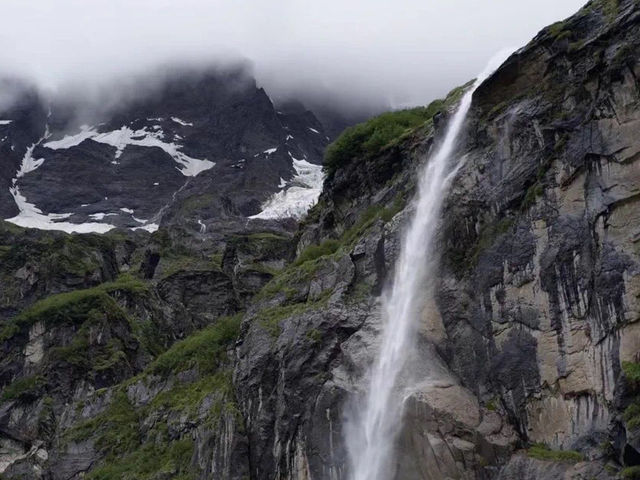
(157, 356)
(203, 149)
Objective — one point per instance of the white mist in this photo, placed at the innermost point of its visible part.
(372, 433)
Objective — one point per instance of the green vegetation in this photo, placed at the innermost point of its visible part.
(314, 335)
(556, 29)
(24, 389)
(575, 46)
(67, 306)
(368, 218)
(174, 263)
(74, 307)
(631, 371)
(367, 139)
(89, 312)
(196, 202)
(540, 451)
(623, 56)
(313, 252)
(55, 252)
(631, 473)
(608, 7)
(131, 447)
(150, 462)
(263, 244)
(466, 256)
(187, 397)
(631, 415)
(360, 292)
(533, 192)
(216, 259)
(492, 405)
(293, 281)
(271, 317)
(203, 350)
(537, 189)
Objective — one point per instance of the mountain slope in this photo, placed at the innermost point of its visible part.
(214, 133)
(528, 359)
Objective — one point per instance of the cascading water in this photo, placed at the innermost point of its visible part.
(371, 435)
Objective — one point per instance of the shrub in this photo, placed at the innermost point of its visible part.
(70, 305)
(631, 473)
(204, 349)
(24, 389)
(366, 139)
(540, 451)
(312, 252)
(75, 306)
(150, 461)
(631, 371)
(369, 138)
(631, 415)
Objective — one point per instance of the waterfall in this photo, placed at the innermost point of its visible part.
(371, 434)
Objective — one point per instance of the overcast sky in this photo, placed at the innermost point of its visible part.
(395, 52)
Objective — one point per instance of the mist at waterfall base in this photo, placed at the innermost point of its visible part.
(373, 423)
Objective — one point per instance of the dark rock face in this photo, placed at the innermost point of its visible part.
(526, 364)
(534, 242)
(535, 308)
(200, 149)
(25, 112)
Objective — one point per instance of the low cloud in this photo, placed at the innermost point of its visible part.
(360, 55)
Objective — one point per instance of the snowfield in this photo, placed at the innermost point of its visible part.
(189, 167)
(298, 196)
(31, 216)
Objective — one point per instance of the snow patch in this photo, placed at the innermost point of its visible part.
(203, 227)
(29, 164)
(126, 210)
(301, 194)
(69, 141)
(269, 151)
(314, 130)
(182, 122)
(31, 216)
(100, 216)
(190, 167)
(151, 227)
(5, 122)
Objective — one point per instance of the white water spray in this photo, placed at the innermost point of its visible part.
(371, 435)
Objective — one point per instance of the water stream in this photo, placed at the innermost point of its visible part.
(371, 434)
